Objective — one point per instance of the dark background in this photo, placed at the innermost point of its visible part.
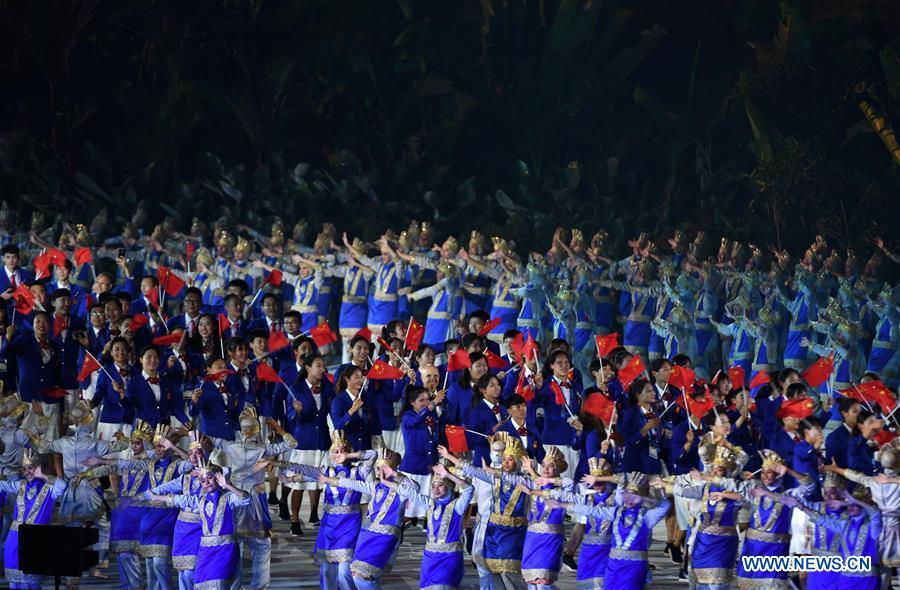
(751, 119)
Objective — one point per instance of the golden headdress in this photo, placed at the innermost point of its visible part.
(198, 227)
(358, 247)
(725, 457)
(555, 456)
(770, 459)
(243, 246)
(447, 269)
(329, 230)
(413, 231)
(322, 241)
(406, 241)
(163, 431)
(833, 480)
(477, 241)
(451, 244)
(206, 467)
(226, 239)
(577, 237)
(204, 257)
(12, 406)
(339, 442)
(863, 494)
(142, 431)
(298, 232)
(83, 235)
(514, 449)
(598, 241)
(30, 457)
(249, 421)
(427, 230)
(388, 458)
(198, 439)
(638, 483)
(598, 466)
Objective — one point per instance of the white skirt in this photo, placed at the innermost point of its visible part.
(393, 439)
(800, 533)
(414, 510)
(107, 431)
(311, 458)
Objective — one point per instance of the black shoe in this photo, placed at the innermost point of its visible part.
(682, 575)
(651, 566)
(470, 539)
(283, 512)
(569, 563)
(415, 521)
(296, 529)
(273, 498)
(314, 519)
(675, 554)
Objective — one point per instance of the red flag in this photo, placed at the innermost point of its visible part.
(88, 367)
(488, 327)
(456, 439)
(558, 394)
(224, 324)
(414, 335)
(818, 373)
(382, 370)
(137, 322)
(217, 376)
(153, 297)
(606, 343)
(529, 351)
(322, 334)
(55, 392)
(523, 389)
(83, 256)
(277, 340)
(189, 249)
(760, 379)
(458, 360)
(681, 377)
(874, 392)
(600, 406)
(517, 345)
(166, 339)
(884, 437)
(60, 323)
(57, 257)
(736, 375)
(41, 265)
(170, 282)
(385, 346)
(799, 407)
(630, 372)
(365, 332)
(700, 408)
(24, 299)
(495, 361)
(274, 278)
(266, 373)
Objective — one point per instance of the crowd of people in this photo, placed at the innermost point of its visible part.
(178, 390)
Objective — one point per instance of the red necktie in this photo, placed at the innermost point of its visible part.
(153, 380)
(12, 281)
(44, 344)
(123, 373)
(565, 384)
(522, 431)
(317, 389)
(193, 328)
(496, 410)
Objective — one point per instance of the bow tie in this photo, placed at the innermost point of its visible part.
(565, 384)
(244, 372)
(522, 431)
(222, 388)
(496, 410)
(44, 344)
(316, 389)
(153, 380)
(123, 372)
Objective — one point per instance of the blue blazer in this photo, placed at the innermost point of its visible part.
(459, 404)
(860, 456)
(782, 443)
(557, 430)
(139, 396)
(682, 462)
(482, 419)
(421, 440)
(387, 392)
(310, 426)
(23, 277)
(34, 376)
(217, 420)
(261, 324)
(837, 445)
(112, 409)
(637, 447)
(70, 352)
(532, 443)
(359, 427)
(77, 295)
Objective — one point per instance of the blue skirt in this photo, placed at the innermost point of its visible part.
(381, 312)
(858, 583)
(637, 335)
(217, 566)
(507, 317)
(605, 316)
(626, 574)
(592, 563)
(337, 537)
(125, 526)
(441, 569)
(823, 580)
(157, 530)
(542, 555)
(762, 548)
(353, 316)
(186, 545)
(373, 553)
(712, 558)
(503, 546)
(437, 331)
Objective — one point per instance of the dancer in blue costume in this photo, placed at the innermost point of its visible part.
(605, 312)
(632, 520)
(446, 305)
(770, 522)
(858, 529)
(826, 542)
(642, 309)
(504, 537)
(764, 331)
(741, 350)
(533, 295)
(442, 560)
(714, 542)
(705, 334)
(306, 283)
(354, 306)
(477, 282)
(884, 360)
(376, 546)
(802, 308)
(35, 494)
(386, 272)
(503, 302)
(841, 340)
(218, 557)
(339, 529)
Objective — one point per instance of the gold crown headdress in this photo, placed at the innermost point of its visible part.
(12, 406)
(390, 235)
(598, 466)
(725, 457)
(451, 244)
(426, 229)
(555, 456)
(298, 232)
(329, 230)
(447, 269)
(477, 240)
(243, 246)
(638, 483)
(142, 431)
(770, 459)
(389, 458)
(204, 257)
(226, 239)
(198, 227)
(198, 439)
(30, 457)
(413, 231)
(163, 431)
(83, 235)
(833, 480)
(322, 241)
(499, 243)
(514, 449)
(206, 467)
(577, 237)
(249, 421)
(358, 247)
(339, 442)
(599, 239)
(863, 494)
(406, 241)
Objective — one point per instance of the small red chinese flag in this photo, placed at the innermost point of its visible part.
(382, 370)
(218, 375)
(529, 351)
(153, 297)
(736, 375)
(224, 324)
(167, 339)
(516, 346)
(265, 372)
(600, 406)
(189, 249)
(57, 257)
(524, 389)
(277, 341)
(83, 256)
(760, 379)
(322, 334)
(818, 373)
(456, 439)
(458, 360)
(384, 345)
(681, 377)
(630, 372)
(24, 299)
(88, 367)
(60, 323)
(606, 343)
(488, 327)
(558, 395)
(274, 278)
(494, 360)
(414, 335)
(799, 407)
(170, 283)
(138, 321)
(41, 264)
(873, 392)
